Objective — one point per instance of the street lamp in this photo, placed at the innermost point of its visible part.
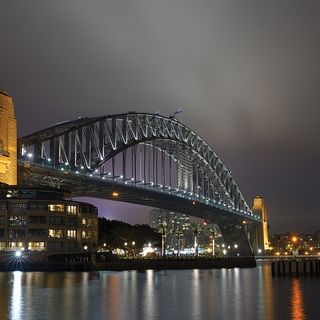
(18, 253)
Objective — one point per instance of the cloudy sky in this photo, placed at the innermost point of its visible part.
(246, 74)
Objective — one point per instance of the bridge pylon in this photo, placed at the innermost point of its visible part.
(8, 141)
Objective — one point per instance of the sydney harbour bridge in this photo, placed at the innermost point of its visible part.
(139, 158)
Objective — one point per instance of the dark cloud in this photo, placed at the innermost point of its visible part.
(246, 74)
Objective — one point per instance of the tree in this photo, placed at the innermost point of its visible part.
(196, 229)
(213, 233)
(115, 234)
(163, 229)
(178, 232)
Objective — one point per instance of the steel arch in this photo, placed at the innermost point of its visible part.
(88, 143)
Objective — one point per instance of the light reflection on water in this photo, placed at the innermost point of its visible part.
(297, 308)
(176, 294)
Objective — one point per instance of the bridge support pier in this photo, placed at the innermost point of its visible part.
(236, 237)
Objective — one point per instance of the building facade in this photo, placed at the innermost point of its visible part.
(42, 219)
(179, 223)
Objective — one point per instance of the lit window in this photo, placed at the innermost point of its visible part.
(86, 234)
(17, 220)
(2, 246)
(72, 209)
(84, 221)
(16, 245)
(55, 233)
(36, 246)
(71, 234)
(56, 207)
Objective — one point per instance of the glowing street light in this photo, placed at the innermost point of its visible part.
(18, 253)
(115, 194)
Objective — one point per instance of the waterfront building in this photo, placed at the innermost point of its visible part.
(175, 221)
(43, 219)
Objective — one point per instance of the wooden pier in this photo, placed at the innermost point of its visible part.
(295, 267)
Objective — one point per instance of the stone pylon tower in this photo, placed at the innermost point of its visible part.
(8, 141)
(260, 210)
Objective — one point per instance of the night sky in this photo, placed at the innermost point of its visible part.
(246, 73)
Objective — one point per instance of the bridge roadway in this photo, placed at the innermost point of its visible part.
(82, 185)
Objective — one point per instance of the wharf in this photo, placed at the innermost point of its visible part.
(295, 267)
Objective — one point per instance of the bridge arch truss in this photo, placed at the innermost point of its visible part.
(139, 150)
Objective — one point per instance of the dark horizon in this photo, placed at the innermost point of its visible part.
(246, 75)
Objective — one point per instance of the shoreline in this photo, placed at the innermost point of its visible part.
(135, 264)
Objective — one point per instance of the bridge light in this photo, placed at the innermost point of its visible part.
(82, 167)
(121, 176)
(77, 172)
(224, 252)
(193, 203)
(62, 169)
(236, 246)
(49, 160)
(96, 170)
(90, 175)
(115, 194)
(29, 155)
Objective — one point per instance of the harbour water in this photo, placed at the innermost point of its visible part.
(167, 294)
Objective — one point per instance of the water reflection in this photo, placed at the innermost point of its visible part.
(16, 297)
(297, 309)
(173, 294)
